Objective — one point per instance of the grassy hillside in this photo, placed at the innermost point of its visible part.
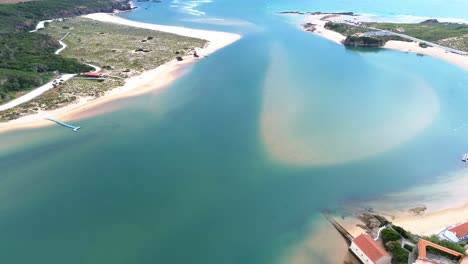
(27, 59)
(447, 34)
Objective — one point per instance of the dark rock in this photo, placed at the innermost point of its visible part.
(149, 38)
(293, 12)
(309, 27)
(362, 41)
(423, 45)
(178, 58)
(336, 13)
(430, 21)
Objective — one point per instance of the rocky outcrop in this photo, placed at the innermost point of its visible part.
(293, 12)
(372, 222)
(337, 13)
(309, 27)
(362, 41)
(430, 21)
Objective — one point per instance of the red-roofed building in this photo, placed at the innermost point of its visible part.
(457, 233)
(423, 257)
(369, 251)
(93, 74)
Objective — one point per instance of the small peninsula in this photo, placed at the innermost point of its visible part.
(444, 40)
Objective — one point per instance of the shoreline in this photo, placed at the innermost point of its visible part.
(147, 81)
(443, 208)
(321, 19)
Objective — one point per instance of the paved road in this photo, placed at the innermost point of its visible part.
(33, 94)
(46, 87)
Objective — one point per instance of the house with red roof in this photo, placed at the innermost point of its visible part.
(423, 257)
(457, 233)
(369, 251)
(93, 74)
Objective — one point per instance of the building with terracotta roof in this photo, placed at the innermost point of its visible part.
(93, 74)
(457, 233)
(423, 258)
(369, 251)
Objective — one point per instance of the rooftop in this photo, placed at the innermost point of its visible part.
(370, 247)
(460, 230)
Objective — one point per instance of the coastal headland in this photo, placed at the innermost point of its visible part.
(446, 41)
(148, 80)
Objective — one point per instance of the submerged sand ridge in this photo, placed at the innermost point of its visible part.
(309, 124)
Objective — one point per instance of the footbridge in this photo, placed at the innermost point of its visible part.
(74, 128)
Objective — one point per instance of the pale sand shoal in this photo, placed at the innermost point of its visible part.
(151, 80)
(459, 60)
(403, 46)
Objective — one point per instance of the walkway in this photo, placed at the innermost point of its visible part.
(346, 235)
(34, 93)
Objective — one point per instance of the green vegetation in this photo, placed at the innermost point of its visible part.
(389, 235)
(24, 16)
(119, 47)
(27, 59)
(399, 255)
(392, 243)
(408, 247)
(110, 46)
(401, 231)
(446, 34)
(345, 29)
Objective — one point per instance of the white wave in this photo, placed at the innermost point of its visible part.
(219, 21)
(190, 7)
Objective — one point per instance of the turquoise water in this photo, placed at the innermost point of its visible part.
(233, 162)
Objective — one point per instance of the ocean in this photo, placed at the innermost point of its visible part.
(234, 161)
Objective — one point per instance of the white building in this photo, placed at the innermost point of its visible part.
(457, 233)
(369, 251)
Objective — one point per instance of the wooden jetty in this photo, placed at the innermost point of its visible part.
(343, 232)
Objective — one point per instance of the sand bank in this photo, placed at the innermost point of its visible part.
(459, 60)
(446, 201)
(147, 81)
(322, 19)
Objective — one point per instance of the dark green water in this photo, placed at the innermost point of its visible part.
(185, 175)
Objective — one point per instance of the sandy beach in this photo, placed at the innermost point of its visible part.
(151, 80)
(322, 19)
(444, 208)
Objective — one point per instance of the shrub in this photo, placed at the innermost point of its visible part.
(399, 255)
(389, 235)
(408, 247)
(401, 231)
